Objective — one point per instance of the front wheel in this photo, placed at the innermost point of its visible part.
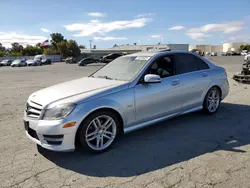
(99, 131)
(212, 100)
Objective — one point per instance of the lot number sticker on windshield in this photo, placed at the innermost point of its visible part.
(142, 58)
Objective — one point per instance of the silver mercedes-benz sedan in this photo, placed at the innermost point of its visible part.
(129, 93)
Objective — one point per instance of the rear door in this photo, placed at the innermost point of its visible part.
(194, 75)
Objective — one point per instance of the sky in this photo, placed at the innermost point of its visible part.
(109, 22)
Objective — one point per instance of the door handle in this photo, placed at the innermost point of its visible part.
(175, 82)
(204, 74)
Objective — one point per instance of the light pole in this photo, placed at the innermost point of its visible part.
(90, 42)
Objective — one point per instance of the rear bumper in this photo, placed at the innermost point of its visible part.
(51, 134)
(225, 89)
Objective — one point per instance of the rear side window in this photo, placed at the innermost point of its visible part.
(188, 63)
(201, 64)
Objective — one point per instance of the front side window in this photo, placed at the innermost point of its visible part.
(123, 68)
(163, 66)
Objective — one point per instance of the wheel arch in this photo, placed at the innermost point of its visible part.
(121, 125)
(218, 87)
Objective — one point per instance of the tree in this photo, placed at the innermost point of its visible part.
(49, 51)
(82, 46)
(32, 50)
(1, 53)
(245, 47)
(115, 45)
(68, 48)
(38, 44)
(16, 47)
(56, 38)
(2, 48)
(62, 48)
(72, 48)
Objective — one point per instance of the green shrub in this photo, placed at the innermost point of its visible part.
(15, 54)
(48, 51)
(1, 53)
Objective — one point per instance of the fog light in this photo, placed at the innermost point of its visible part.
(71, 124)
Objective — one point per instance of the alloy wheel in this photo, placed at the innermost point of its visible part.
(213, 100)
(100, 132)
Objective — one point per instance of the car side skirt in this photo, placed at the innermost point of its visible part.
(151, 122)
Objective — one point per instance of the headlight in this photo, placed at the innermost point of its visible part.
(59, 112)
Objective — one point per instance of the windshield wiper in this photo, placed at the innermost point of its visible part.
(106, 77)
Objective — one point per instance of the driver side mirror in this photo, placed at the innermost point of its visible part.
(152, 78)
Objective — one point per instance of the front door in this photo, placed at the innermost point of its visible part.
(154, 100)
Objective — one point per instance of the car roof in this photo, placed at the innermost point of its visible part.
(160, 52)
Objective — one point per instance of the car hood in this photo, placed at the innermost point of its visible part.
(73, 91)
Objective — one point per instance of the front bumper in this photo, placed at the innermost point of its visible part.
(50, 134)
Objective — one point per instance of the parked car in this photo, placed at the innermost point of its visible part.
(234, 53)
(19, 63)
(43, 59)
(70, 60)
(86, 61)
(244, 52)
(214, 54)
(129, 93)
(6, 62)
(110, 57)
(46, 62)
(207, 54)
(33, 63)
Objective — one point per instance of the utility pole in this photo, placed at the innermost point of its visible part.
(90, 43)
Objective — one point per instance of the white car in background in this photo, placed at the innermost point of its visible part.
(43, 59)
(247, 58)
(244, 52)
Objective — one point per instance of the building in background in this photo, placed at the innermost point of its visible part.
(182, 47)
(230, 47)
(128, 49)
(226, 47)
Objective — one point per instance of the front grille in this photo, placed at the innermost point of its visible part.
(33, 110)
(32, 133)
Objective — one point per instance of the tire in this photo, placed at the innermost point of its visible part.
(212, 101)
(89, 133)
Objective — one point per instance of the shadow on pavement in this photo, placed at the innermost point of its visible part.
(163, 144)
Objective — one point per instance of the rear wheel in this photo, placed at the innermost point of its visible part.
(99, 131)
(212, 100)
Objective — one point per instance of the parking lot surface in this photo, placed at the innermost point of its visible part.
(194, 150)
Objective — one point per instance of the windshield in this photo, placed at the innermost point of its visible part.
(122, 68)
(39, 57)
(16, 61)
